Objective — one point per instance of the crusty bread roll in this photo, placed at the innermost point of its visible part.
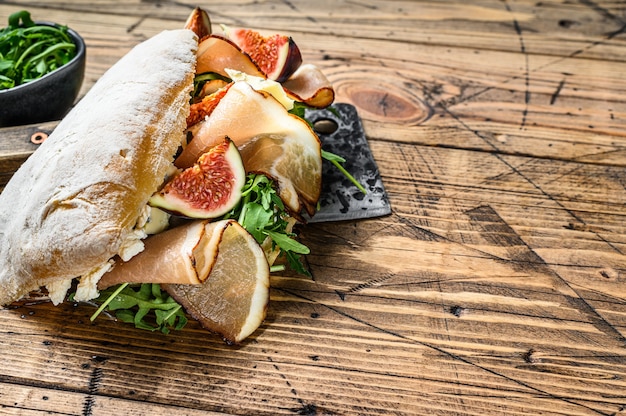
(72, 204)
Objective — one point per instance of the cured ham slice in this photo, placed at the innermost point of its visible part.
(310, 86)
(216, 54)
(184, 254)
(271, 140)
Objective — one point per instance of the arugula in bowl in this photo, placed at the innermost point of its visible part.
(30, 50)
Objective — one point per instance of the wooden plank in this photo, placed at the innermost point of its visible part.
(298, 363)
(27, 401)
(545, 25)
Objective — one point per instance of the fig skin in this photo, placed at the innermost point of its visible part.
(277, 55)
(199, 22)
(293, 62)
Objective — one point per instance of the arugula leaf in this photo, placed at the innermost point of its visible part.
(299, 109)
(29, 51)
(287, 243)
(148, 307)
(296, 263)
(255, 219)
(263, 214)
(21, 18)
(337, 161)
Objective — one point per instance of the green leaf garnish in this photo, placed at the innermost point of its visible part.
(299, 110)
(337, 161)
(295, 262)
(21, 18)
(287, 243)
(147, 307)
(262, 213)
(29, 51)
(107, 301)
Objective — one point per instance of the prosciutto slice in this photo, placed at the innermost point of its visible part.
(185, 254)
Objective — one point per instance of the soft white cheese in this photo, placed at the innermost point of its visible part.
(58, 290)
(275, 89)
(132, 245)
(150, 221)
(87, 288)
(157, 222)
(143, 217)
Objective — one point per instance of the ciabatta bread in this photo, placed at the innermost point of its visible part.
(74, 202)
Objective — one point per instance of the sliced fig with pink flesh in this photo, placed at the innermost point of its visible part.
(208, 189)
(277, 55)
(216, 54)
(203, 108)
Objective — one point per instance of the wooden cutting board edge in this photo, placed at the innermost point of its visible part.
(16, 146)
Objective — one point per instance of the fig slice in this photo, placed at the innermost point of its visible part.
(284, 147)
(209, 188)
(216, 54)
(199, 22)
(310, 86)
(277, 55)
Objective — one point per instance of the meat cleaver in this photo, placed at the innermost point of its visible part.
(341, 132)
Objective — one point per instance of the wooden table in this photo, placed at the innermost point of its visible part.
(497, 285)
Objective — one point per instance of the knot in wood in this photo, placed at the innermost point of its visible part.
(388, 103)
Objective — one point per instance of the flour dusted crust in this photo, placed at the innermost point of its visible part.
(69, 208)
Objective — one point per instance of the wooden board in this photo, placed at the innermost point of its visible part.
(497, 285)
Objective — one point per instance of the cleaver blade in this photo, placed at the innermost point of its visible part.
(340, 199)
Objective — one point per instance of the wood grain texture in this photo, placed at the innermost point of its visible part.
(496, 286)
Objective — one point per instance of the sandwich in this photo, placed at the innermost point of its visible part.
(183, 170)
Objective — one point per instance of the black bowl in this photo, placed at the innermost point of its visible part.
(49, 97)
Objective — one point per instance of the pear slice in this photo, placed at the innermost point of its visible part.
(233, 300)
(208, 189)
